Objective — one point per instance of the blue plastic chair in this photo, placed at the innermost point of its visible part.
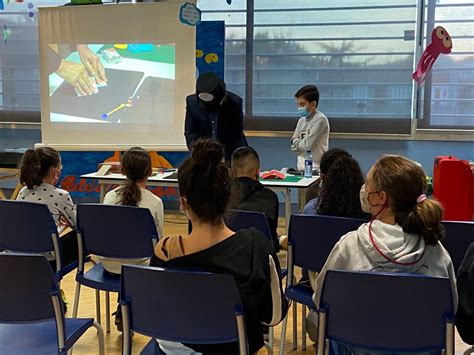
(237, 220)
(310, 241)
(180, 306)
(386, 312)
(111, 231)
(459, 235)
(19, 235)
(31, 317)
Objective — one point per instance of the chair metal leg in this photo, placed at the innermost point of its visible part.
(450, 338)
(269, 348)
(97, 306)
(271, 336)
(283, 335)
(303, 327)
(75, 307)
(295, 330)
(107, 311)
(101, 338)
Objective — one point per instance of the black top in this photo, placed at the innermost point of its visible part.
(245, 256)
(230, 123)
(250, 195)
(465, 285)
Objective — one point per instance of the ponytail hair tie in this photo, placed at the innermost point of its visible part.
(421, 198)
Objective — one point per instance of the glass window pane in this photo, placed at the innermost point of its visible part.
(359, 54)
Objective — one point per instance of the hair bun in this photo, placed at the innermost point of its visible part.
(207, 152)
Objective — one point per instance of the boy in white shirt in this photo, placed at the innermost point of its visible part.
(312, 129)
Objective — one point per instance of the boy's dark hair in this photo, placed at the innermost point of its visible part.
(204, 181)
(310, 93)
(243, 157)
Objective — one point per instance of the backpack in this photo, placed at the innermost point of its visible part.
(465, 285)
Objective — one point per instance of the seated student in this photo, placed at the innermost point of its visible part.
(403, 234)
(136, 166)
(204, 185)
(247, 193)
(465, 314)
(341, 180)
(327, 160)
(40, 172)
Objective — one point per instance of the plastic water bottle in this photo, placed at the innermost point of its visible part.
(308, 165)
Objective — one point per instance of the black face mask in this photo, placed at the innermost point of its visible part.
(210, 91)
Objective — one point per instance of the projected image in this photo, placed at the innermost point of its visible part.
(112, 83)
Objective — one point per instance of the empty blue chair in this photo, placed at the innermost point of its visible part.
(31, 317)
(111, 231)
(21, 235)
(459, 235)
(386, 312)
(237, 220)
(310, 241)
(180, 306)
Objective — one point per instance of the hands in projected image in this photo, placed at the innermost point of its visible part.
(92, 63)
(76, 75)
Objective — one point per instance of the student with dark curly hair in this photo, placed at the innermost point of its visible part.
(341, 179)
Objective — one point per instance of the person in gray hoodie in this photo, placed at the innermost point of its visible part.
(403, 234)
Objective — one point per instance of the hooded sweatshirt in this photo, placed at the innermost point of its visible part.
(249, 257)
(250, 195)
(355, 251)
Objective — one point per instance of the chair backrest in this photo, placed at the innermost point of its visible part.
(459, 235)
(26, 227)
(313, 237)
(399, 312)
(237, 220)
(116, 231)
(27, 282)
(181, 306)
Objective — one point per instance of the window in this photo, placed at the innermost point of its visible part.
(448, 93)
(19, 61)
(360, 54)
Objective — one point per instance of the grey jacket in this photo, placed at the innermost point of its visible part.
(311, 133)
(355, 251)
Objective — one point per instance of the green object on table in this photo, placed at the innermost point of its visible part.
(162, 54)
(287, 179)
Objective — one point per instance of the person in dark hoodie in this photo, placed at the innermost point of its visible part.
(204, 185)
(248, 194)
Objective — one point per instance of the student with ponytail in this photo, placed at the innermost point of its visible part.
(247, 255)
(136, 166)
(40, 172)
(403, 234)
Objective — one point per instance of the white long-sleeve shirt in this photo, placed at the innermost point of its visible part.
(311, 133)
